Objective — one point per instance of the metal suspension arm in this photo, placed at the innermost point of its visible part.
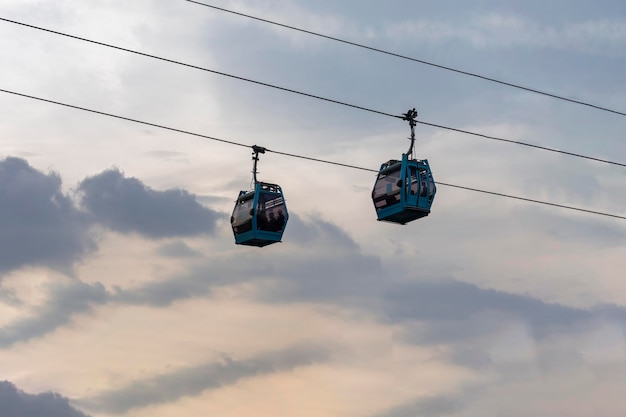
(410, 116)
(256, 150)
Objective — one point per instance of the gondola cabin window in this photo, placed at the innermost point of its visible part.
(387, 189)
(242, 215)
(271, 212)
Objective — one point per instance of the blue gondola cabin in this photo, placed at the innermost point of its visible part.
(404, 190)
(260, 216)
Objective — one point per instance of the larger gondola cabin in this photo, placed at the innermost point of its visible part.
(404, 190)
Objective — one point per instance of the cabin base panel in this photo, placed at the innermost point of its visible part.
(402, 217)
(258, 238)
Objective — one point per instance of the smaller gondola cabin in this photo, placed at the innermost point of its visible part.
(404, 190)
(260, 216)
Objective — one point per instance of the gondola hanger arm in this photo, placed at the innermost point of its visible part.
(411, 117)
(256, 150)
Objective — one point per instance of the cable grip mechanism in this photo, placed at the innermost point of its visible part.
(256, 150)
(410, 117)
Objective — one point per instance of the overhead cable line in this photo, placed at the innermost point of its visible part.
(197, 67)
(312, 95)
(121, 117)
(303, 156)
(482, 77)
(516, 142)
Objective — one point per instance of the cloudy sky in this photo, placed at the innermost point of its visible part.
(122, 292)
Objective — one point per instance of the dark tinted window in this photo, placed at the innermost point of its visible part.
(387, 190)
(271, 212)
(242, 216)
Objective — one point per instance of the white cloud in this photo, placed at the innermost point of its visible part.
(501, 31)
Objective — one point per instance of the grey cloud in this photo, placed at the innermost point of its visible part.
(430, 407)
(38, 224)
(612, 312)
(9, 296)
(522, 391)
(164, 293)
(455, 301)
(519, 343)
(448, 330)
(336, 277)
(127, 205)
(468, 321)
(41, 226)
(338, 272)
(177, 249)
(64, 301)
(588, 229)
(552, 360)
(549, 359)
(17, 403)
(341, 275)
(211, 199)
(472, 358)
(316, 228)
(320, 277)
(168, 155)
(194, 380)
(444, 311)
(435, 406)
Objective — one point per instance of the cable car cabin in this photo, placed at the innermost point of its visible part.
(404, 190)
(260, 216)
